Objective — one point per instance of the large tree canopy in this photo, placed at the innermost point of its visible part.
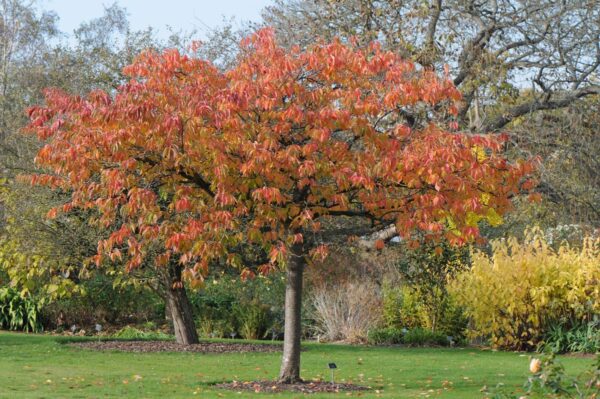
(514, 62)
(185, 161)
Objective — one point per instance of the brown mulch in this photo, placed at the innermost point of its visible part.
(302, 387)
(170, 346)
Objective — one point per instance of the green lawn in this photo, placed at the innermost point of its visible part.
(38, 366)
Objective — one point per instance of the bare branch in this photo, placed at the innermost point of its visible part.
(536, 105)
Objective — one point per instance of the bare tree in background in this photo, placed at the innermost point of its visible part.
(568, 140)
(25, 35)
(491, 47)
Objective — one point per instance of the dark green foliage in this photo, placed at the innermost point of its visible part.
(561, 338)
(423, 337)
(453, 321)
(422, 298)
(103, 303)
(385, 336)
(431, 264)
(251, 309)
(18, 313)
(414, 337)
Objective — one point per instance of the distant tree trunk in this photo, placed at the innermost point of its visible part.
(179, 308)
(290, 363)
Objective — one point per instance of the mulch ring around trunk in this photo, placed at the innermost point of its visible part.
(301, 387)
(170, 346)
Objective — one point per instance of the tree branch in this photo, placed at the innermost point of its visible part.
(536, 105)
(386, 234)
(192, 177)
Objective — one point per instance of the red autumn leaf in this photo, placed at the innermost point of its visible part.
(379, 244)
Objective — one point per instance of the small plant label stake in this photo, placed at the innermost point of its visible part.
(98, 330)
(332, 367)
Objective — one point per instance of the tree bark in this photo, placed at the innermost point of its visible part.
(290, 363)
(179, 308)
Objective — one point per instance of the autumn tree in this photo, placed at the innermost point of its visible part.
(185, 161)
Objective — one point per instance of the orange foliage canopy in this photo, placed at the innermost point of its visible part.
(186, 160)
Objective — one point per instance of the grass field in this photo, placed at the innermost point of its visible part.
(39, 366)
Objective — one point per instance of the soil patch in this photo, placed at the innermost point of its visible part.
(301, 387)
(170, 346)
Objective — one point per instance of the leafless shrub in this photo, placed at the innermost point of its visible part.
(346, 311)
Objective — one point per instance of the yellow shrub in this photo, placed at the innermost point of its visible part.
(514, 294)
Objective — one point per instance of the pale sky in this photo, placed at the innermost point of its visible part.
(179, 14)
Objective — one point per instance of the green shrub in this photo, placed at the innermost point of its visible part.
(414, 337)
(129, 332)
(422, 337)
(401, 307)
(385, 336)
(253, 318)
(101, 302)
(454, 320)
(425, 271)
(19, 313)
(404, 307)
(584, 338)
(251, 309)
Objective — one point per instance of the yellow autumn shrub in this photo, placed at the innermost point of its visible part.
(515, 293)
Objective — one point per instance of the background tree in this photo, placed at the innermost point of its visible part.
(568, 141)
(25, 36)
(489, 46)
(34, 265)
(37, 56)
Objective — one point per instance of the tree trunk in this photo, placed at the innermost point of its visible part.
(290, 363)
(179, 308)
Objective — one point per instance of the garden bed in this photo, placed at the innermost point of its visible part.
(300, 387)
(170, 346)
